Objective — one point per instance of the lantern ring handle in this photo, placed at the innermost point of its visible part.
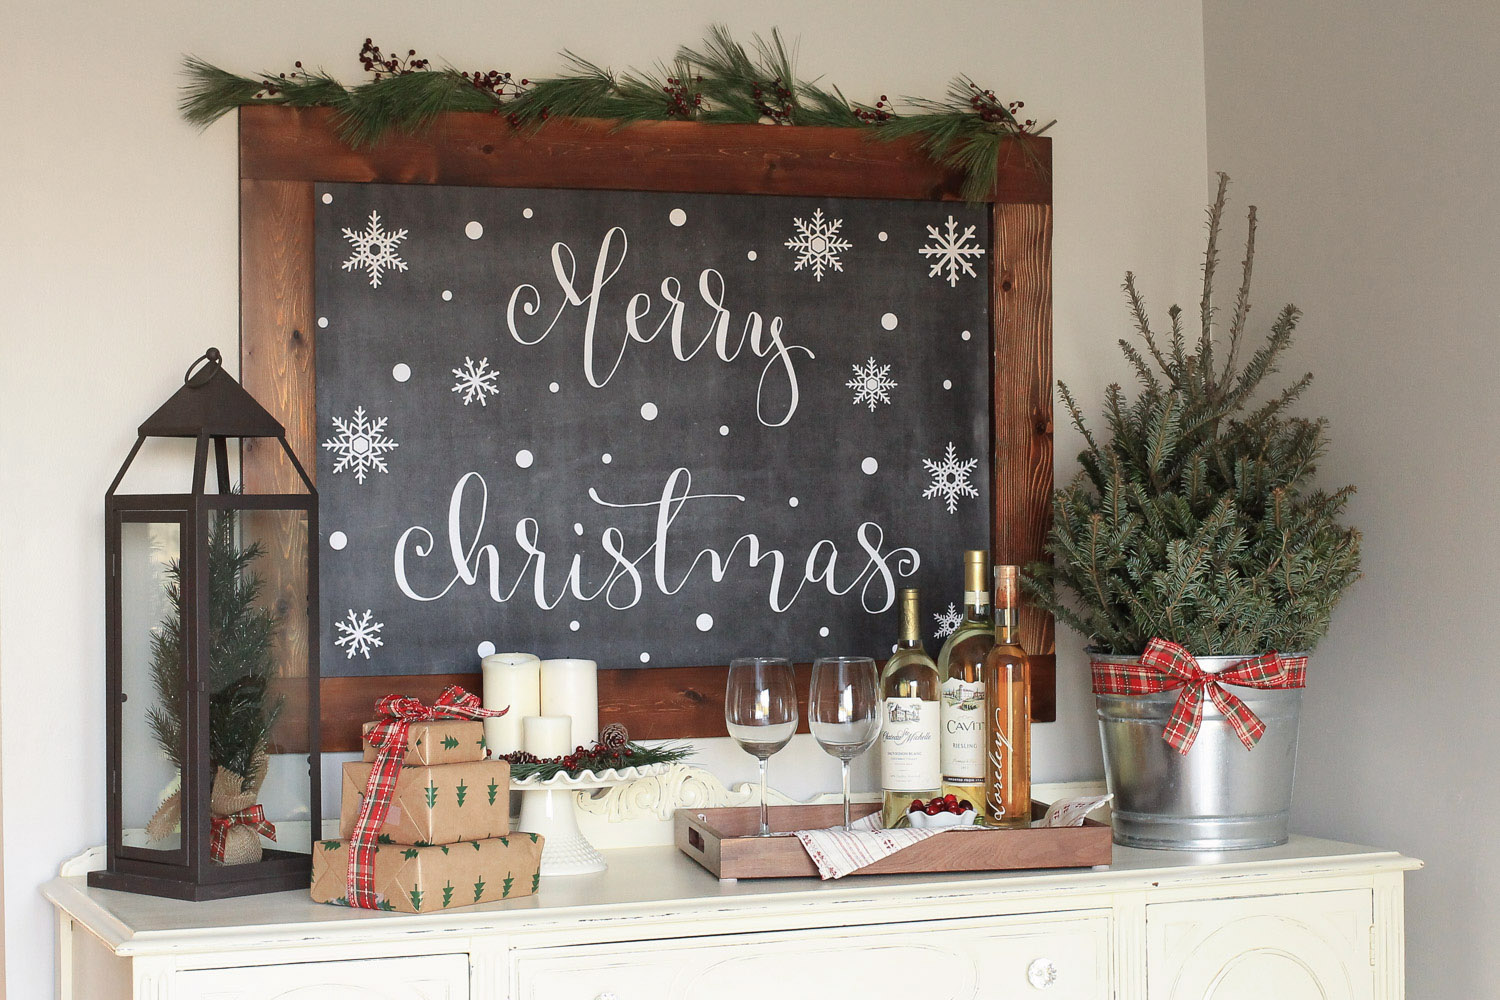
(203, 369)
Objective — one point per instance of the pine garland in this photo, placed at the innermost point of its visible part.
(720, 82)
(240, 662)
(1196, 521)
(598, 758)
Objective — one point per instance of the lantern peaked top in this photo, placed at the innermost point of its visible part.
(211, 404)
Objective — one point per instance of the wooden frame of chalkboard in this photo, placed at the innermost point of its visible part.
(284, 152)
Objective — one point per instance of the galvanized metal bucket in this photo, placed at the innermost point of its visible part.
(1216, 797)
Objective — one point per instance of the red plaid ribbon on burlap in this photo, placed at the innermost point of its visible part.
(388, 737)
(1165, 666)
(218, 828)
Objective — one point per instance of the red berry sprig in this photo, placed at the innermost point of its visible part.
(774, 101)
(375, 61)
(682, 102)
(989, 108)
(878, 115)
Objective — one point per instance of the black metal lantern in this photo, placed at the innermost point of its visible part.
(212, 655)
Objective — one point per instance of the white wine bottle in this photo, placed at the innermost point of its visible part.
(958, 663)
(910, 755)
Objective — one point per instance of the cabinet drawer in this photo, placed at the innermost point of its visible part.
(1300, 946)
(424, 977)
(1063, 956)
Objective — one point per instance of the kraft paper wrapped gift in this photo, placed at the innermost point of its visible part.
(429, 879)
(435, 805)
(441, 741)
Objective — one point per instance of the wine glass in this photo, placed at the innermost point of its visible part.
(843, 710)
(760, 709)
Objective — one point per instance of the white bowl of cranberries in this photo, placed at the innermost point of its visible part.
(939, 812)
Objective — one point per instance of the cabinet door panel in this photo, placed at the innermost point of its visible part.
(1052, 956)
(426, 977)
(1308, 946)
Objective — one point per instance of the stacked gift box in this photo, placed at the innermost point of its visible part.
(445, 839)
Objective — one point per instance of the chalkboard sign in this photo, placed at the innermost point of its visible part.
(651, 429)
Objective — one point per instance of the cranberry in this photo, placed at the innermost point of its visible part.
(915, 807)
(951, 799)
(934, 807)
(965, 806)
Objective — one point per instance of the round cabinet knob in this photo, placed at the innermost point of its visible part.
(1041, 973)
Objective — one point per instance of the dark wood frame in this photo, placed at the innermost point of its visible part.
(284, 152)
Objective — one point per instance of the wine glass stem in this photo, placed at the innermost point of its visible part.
(765, 818)
(846, 794)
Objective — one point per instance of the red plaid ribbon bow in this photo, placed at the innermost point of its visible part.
(389, 740)
(218, 828)
(1165, 666)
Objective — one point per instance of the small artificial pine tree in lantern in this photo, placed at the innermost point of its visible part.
(241, 635)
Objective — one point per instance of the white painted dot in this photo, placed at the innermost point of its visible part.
(401, 372)
(337, 541)
(888, 321)
(751, 255)
(573, 625)
(705, 622)
(947, 383)
(883, 237)
(486, 648)
(791, 501)
(677, 217)
(527, 213)
(577, 528)
(966, 335)
(823, 631)
(869, 466)
(648, 411)
(723, 430)
(606, 458)
(645, 657)
(524, 458)
(327, 198)
(322, 322)
(473, 230)
(447, 295)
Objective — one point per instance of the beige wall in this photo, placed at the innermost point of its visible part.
(1367, 134)
(118, 265)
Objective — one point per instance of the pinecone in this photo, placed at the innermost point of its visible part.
(614, 736)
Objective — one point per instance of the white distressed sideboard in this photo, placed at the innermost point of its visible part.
(1311, 919)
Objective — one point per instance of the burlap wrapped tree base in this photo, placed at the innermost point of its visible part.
(230, 794)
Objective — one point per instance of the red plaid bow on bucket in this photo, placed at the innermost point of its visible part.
(218, 828)
(1165, 666)
(389, 740)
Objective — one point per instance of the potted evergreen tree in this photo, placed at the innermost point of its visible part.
(1192, 546)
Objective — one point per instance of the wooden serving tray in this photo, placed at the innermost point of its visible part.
(724, 842)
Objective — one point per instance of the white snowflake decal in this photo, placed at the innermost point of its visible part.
(950, 478)
(952, 250)
(872, 384)
(374, 249)
(948, 621)
(359, 444)
(475, 380)
(818, 244)
(360, 633)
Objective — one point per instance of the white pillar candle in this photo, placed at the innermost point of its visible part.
(511, 680)
(548, 735)
(571, 687)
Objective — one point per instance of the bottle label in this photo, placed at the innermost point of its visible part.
(910, 758)
(962, 716)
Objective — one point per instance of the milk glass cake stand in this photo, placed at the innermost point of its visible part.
(549, 808)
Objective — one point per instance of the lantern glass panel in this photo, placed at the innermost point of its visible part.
(258, 681)
(153, 649)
